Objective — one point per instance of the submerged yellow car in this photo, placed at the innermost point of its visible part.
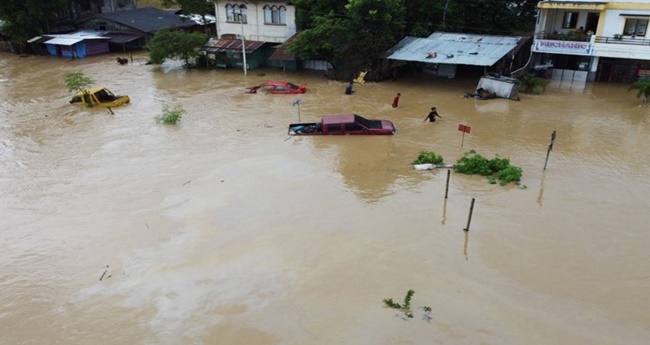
(99, 97)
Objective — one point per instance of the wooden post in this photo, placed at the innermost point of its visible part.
(447, 187)
(469, 218)
(550, 147)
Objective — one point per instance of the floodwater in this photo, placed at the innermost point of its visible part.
(223, 230)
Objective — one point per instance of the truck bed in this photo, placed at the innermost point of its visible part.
(309, 128)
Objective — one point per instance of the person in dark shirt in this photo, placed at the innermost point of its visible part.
(348, 89)
(432, 115)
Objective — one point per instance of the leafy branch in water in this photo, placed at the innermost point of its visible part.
(406, 306)
(171, 116)
(497, 168)
(428, 157)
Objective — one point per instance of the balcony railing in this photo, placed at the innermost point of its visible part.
(580, 37)
(622, 40)
(559, 36)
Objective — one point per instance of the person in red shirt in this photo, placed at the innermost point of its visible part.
(396, 100)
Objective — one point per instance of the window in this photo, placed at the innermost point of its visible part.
(275, 15)
(636, 27)
(334, 128)
(570, 20)
(236, 13)
(353, 127)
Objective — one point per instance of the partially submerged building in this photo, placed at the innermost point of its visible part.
(578, 41)
(445, 54)
(256, 26)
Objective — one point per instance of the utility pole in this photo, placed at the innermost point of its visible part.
(243, 42)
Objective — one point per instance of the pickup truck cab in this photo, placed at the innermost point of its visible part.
(350, 124)
(99, 97)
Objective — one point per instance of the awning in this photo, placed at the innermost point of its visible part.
(34, 39)
(231, 46)
(281, 54)
(64, 41)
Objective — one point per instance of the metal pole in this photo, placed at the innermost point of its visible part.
(447, 187)
(243, 42)
(463, 141)
(469, 218)
(550, 147)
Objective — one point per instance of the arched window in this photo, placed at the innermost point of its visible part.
(236, 13)
(275, 15)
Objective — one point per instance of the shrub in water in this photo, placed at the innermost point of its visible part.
(428, 157)
(171, 116)
(473, 164)
(497, 168)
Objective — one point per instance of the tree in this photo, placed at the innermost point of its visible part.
(353, 41)
(77, 81)
(175, 44)
(329, 39)
(28, 18)
(377, 25)
(308, 10)
(643, 87)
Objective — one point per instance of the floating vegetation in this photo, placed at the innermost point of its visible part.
(428, 157)
(171, 116)
(405, 307)
(494, 169)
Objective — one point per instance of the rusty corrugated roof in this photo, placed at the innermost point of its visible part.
(280, 53)
(234, 46)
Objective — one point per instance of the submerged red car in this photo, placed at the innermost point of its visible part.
(279, 87)
(345, 124)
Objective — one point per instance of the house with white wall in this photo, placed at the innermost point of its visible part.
(586, 40)
(253, 27)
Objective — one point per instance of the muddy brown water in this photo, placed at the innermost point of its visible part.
(223, 230)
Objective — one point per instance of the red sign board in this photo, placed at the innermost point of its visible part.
(464, 129)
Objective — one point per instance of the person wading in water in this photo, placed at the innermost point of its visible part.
(432, 115)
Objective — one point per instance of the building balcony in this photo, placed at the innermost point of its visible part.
(625, 47)
(559, 43)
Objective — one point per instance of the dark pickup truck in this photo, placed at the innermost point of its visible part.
(351, 124)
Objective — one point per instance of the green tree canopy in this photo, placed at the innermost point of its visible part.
(77, 81)
(175, 44)
(377, 25)
(28, 18)
(329, 39)
(308, 10)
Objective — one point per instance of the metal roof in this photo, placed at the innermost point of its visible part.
(281, 54)
(225, 45)
(455, 49)
(147, 19)
(64, 41)
(122, 37)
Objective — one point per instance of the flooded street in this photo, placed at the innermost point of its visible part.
(224, 230)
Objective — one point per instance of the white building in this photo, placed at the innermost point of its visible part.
(590, 40)
(249, 32)
(265, 21)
